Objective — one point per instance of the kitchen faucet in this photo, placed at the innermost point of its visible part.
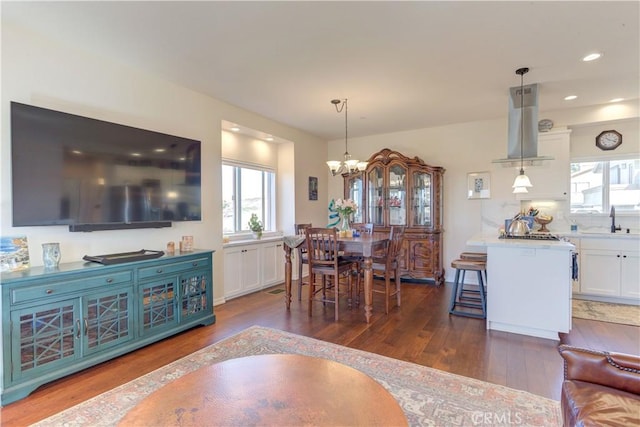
(613, 220)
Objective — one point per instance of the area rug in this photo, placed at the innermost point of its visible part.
(607, 312)
(429, 397)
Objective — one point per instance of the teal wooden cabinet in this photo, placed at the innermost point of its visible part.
(58, 322)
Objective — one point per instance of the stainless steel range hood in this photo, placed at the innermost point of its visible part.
(528, 115)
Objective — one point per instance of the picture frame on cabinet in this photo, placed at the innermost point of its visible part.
(14, 253)
(313, 188)
(478, 185)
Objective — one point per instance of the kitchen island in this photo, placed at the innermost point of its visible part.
(529, 285)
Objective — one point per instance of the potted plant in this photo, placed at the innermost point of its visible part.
(255, 225)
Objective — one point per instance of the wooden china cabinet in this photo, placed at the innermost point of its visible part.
(398, 190)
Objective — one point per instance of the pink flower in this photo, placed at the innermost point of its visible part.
(346, 206)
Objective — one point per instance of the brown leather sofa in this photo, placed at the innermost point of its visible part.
(600, 388)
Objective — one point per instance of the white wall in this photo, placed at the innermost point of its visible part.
(38, 72)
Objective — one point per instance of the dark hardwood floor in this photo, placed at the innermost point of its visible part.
(421, 331)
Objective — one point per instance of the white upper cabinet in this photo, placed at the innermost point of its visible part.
(551, 178)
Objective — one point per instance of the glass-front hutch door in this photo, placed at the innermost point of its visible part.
(397, 199)
(375, 195)
(355, 192)
(421, 200)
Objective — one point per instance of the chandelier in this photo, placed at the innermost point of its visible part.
(348, 165)
(522, 181)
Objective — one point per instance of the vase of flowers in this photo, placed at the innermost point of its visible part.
(346, 208)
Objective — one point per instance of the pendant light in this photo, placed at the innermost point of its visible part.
(522, 181)
(348, 165)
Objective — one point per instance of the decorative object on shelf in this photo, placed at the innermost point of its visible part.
(119, 258)
(609, 140)
(543, 220)
(256, 226)
(171, 248)
(186, 244)
(51, 255)
(334, 216)
(522, 181)
(346, 208)
(313, 188)
(545, 125)
(14, 253)
(348, 165)
(478, 185)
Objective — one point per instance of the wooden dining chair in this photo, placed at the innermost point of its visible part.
(324, 261)
(365, 229)
(388, 266)
(301, 251)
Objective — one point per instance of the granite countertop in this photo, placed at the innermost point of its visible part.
(250, 241)
(599, 234)
(493, 240)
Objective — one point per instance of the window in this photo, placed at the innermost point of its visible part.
(598, 185)
(247, 190)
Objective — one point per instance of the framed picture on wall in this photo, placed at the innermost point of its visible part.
(478, 185)
(313, 188)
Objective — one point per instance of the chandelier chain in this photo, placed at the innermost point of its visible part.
(346, 128)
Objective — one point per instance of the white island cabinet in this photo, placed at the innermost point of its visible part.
(529, 286)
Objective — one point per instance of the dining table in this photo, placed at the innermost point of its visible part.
(363, 245)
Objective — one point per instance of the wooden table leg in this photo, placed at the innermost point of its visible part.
(368, 288)
(287, 276)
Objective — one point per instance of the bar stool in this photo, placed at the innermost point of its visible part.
(475, 256)
(458, 297)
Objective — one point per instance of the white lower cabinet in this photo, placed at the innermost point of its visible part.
(630, 275)
(610, 268)
(600, 272)
(272, 263)
(253, 266)
(241, 270)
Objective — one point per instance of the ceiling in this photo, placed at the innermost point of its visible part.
(402, 65)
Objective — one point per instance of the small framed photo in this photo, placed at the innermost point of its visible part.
(313, 188)
(478, 185)
(14, 253)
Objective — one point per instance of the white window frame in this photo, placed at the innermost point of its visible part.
(268, 192)
(606, 206)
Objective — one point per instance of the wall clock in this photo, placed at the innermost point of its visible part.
(608, 140)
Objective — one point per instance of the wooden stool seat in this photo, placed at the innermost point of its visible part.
(477, 256)
(469, 264)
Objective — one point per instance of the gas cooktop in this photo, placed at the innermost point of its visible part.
(532, 236)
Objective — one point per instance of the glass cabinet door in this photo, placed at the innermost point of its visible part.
(355, 192)
(376, 196)
(397, 198)
(421, 200)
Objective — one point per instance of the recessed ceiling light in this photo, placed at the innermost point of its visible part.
(591, 57)
(159, 150)
(570, 97)
(616, 100)
(269, 138)
(235, 129)
(136, 154)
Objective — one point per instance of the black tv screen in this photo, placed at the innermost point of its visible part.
(96, 175)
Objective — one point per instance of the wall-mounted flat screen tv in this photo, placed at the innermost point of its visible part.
(95, 175)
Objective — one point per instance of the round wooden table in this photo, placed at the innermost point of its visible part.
(273, 389)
